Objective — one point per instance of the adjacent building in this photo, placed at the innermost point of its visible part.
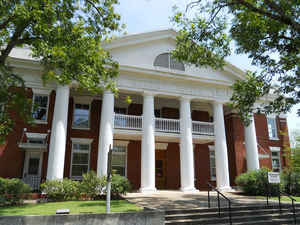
(177, 132)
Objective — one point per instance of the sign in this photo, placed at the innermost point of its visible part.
(273, 178)
(109, 163)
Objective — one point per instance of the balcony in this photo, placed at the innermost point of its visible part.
(130, 122)
(203, 128)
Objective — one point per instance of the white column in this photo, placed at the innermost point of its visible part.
(187, 175)
(221, 156)
(56, 160)
(251, 146)
(106, 132)
(148, 146)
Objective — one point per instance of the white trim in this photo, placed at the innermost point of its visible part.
(39, 91)
(36, 135)
(161, 146)
(120, 143)
(212, 149)
(274, 149)
(82, 140)
(263, 156)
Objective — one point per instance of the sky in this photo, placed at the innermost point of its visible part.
(149, 15)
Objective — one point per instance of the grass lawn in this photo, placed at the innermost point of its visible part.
(75, 207)
(283, 198)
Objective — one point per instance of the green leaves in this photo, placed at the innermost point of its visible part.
(268, 31)
(67, 37)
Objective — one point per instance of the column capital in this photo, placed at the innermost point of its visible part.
(148, 93)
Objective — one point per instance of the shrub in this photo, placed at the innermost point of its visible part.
(92, 185)
(11, 191)
(58, 190)
(256, 183)
(290, 182)
(120, 185)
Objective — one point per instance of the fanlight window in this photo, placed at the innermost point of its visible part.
(167, 61)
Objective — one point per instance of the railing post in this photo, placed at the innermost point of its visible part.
(208, 198)
(219, 204)
(230, 219)
(294, 212)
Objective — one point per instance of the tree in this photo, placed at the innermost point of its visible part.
(66, 36)
(267, 30)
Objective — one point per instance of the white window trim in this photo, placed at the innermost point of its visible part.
(272, 117)
(87, 141)
(89, 123)
(123, 144)
(41, 92)
(277, 150)
(212, 149)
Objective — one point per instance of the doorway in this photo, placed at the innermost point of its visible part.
(33, 168)
(160, 169)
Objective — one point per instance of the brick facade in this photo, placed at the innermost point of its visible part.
(12, 158)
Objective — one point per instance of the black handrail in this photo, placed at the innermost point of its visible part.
(293, 205)
(219, 208)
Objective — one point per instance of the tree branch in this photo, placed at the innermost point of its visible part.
(5, 23)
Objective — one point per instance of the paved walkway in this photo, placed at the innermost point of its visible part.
(180, 200)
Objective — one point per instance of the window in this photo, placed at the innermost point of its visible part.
(119, 159)
(276, 165)
(80, 157)
(272, 128)
(167, 61)
(157, 113)
(81, 116)
(40, 107)
(212, 162)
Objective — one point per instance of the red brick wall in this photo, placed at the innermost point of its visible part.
(10, 154)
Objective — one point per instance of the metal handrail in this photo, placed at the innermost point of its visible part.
(293, 205)
(219, 208)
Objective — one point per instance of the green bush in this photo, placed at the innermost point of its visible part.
(290, 182)
(59, 190)
(119, 185)
(92, 185)
(11, 191)
(256, 183)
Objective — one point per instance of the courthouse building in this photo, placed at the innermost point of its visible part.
(177, 133)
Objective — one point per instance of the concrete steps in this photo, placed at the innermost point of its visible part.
(248, 215)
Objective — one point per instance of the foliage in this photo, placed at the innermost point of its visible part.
(255, 182)
(92, 185)
(267, 31)
(66, 36)
(290, 182)
(59, 190)
(120, 185)
(11, 190)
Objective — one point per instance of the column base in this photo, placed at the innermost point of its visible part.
(147, 190)
(189, 190)
(226, 189)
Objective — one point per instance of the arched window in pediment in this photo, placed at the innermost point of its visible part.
(167, 61)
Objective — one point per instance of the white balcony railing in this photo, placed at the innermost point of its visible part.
(128, 122)
(167, 125)
(202, 128)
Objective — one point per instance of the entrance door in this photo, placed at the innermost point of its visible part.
(33, 168)
(160, 169)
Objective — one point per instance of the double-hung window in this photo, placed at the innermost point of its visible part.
(81, 116)
(119, 159)
(40, 107)
(212, 162)
(272, 128)
(276, 165)
(80, 162)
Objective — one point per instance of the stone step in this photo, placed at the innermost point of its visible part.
(287, 217)
(234, 214)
